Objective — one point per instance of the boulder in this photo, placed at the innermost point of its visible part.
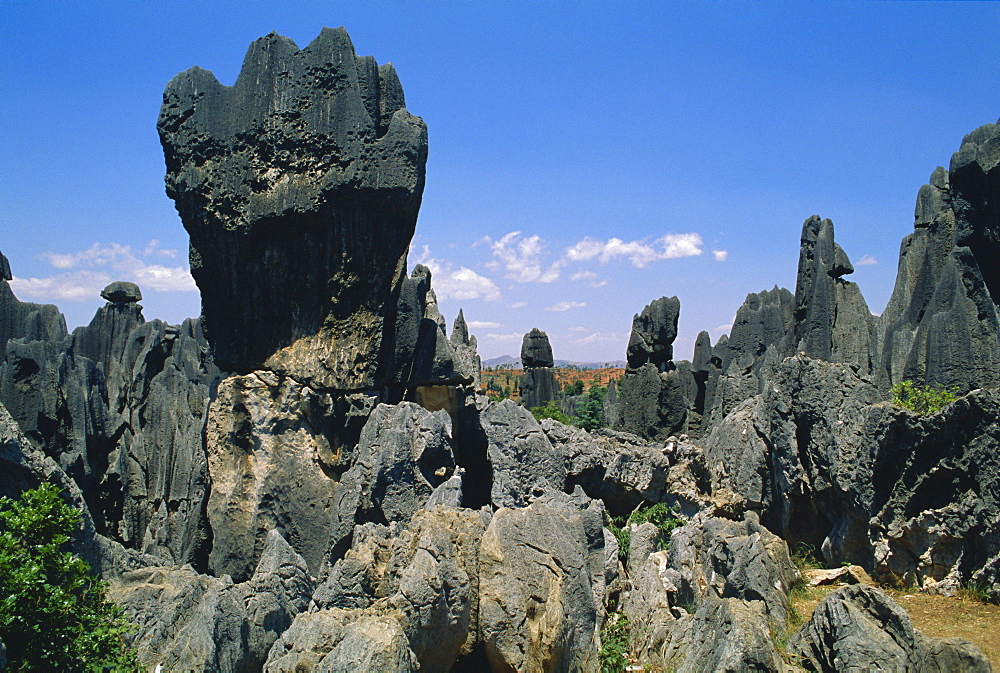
(538, 608)
(519, 453)
(299, 187)
(860, 628)
(122, 292)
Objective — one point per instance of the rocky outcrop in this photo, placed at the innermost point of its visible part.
(860, 628)
(24, 320)
(541, 584)
(193, 622)
(520, 455)
(299, 187)
(707, 602)
(832, 320)
(942, 324)
(538, 383)
(651, 393)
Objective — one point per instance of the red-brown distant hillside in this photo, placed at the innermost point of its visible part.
(503, 383)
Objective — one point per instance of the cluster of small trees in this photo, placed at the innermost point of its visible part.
(589, 410)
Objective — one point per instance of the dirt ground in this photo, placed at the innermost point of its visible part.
(937, 616)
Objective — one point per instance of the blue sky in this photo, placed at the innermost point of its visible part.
(585, 158)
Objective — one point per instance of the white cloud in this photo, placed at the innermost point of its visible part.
(518, 304)
(75, 286)
(481, 324)
(87, 272)
(512, 337)
(523, 258)
(866, 260)
(589, 276)
(722, 328)
(461, 284)
(602, 337)
(566, 305)
(639, 253)
(721, 255)
(578, 328)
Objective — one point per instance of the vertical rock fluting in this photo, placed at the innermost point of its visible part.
(832, 320)
(299, 187)
(942, 323)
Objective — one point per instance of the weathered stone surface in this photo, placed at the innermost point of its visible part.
(5, 268)
(860, 628)
(536, 350)
(404, 454)
(653, 334)
(193, 622)
(299, 187)
(652, 403)
(425, 576)
(538, 386)
(157, 483)
(765, 319)
(832, 320)
(467, 362)
(25, 320)
(266, 454)
(537, 607)
(942, 324)
(59, 400)
(122, 292)
(735, 575)
(519, 453)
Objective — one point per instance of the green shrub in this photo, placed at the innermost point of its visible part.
(574, 388)
(54, 615)
(923, 400)
(550, 410)
(590, 410)
(615, 653)
(659, 514)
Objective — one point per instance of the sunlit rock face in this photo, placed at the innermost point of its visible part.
(299, 187)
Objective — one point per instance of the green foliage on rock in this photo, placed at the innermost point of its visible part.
(590, 411)
(659, 514)
(615, 654)
(54, 615)
(923, 400)
(550, 410)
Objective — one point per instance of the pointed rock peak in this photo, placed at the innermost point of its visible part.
(460, 331)
(536, 350)
(4, 268)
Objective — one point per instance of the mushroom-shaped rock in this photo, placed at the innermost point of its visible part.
(122, 292)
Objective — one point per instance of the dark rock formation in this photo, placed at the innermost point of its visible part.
(651, 396)
(942, 324)
(860, 628)
(536, 350)
(299, 187)
(24, 320)
(538, 383)
(122, 292)
(653, 334)
(765, 319)
(832, 320)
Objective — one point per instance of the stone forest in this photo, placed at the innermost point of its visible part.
(308, 476)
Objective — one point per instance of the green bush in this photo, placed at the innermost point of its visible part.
(659, 514)
(923, 400)
(590, 411)
(550, 410)
(54, 615)
(615, 653)
(574, 388)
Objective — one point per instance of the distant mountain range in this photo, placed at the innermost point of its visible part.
(515, 363)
